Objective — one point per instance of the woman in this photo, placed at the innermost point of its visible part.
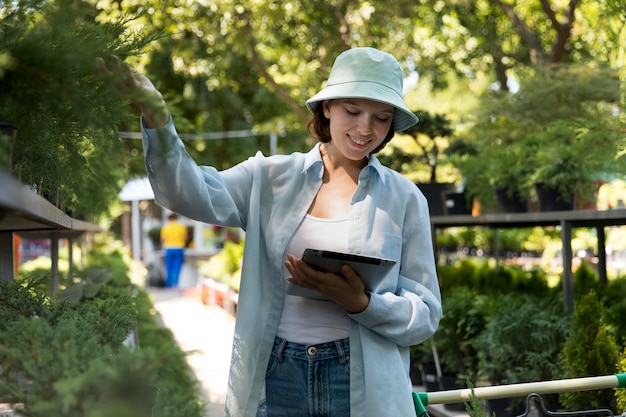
(295, 356)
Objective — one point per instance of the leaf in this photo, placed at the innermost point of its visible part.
(98, 276)
(90, 289)
(73, 294)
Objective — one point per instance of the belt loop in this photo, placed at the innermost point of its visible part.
(280, 348)
(343, 356)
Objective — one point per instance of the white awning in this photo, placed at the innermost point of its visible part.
(137, 189)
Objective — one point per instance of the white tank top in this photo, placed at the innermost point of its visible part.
(306, 320)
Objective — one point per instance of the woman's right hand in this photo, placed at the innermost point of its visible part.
(346, 289)
(136, 88)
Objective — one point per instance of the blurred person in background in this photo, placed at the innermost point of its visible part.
(174, 240)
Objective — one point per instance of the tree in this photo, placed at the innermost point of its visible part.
(249, 65)
(431, 137)
(67, 147)
(560, 129)
(496, 36)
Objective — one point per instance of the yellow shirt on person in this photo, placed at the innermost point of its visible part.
(174, 235)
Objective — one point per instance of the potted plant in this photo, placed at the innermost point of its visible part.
(464, 318)
(571, 158)
(422, 366)
(561, 128)
(430, 139)
(221, 276)
(455, 340)
(494, 169)
(509, 176)
(521, 340)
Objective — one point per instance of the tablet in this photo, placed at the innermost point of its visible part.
(370, 269)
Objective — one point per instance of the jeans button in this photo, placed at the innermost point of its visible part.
(311, 350)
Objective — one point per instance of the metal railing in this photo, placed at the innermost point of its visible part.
(530, 389)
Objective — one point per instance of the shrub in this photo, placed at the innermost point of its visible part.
(71, 359)
(521, 340)
(590, 350)
(464, 318)
(480, 276)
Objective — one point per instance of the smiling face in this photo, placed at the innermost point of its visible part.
(357, 126)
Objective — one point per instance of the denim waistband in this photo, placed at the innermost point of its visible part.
(336, 349)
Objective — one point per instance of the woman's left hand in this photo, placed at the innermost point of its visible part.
(346, 289)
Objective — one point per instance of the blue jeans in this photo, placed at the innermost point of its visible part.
(174, 258)
(307, 380)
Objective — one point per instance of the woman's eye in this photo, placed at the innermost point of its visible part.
(352, 113)
(383, 119)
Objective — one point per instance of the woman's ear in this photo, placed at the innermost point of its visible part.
(326, 108)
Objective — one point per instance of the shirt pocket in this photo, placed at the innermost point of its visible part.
(387, 246)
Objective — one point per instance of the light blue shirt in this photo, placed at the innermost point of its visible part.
(268, 197)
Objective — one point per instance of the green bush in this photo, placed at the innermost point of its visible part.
(484, 278)
(225, 267)
(590, 350)
(72, 355)
(612, 296)
(522, 337)
(464, 318)
(621, 393)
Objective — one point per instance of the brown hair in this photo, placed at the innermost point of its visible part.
(319, 128)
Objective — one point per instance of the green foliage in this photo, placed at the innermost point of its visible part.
(88, 288)
(68, 360)
(241, 65)
(514, 241)
(431, 137)
(590, 350)
(585, 278)
(464, 318)
(479, 276)
(53, 348)
(544, 133)
(476, 407)
(620, 394)
(24, 301)
(225, 267)
(67, 147)
(505, 327)
(522, 338)
(179, 390)
(612, 297)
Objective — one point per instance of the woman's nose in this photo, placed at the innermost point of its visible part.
(364, 124)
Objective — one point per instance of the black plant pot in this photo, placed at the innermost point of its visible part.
(429, 377)
(508, 204)
(455, 203)
(551, 200)
(8, 129)
(502, 407)
(449, 382)
(433, 193)
(415, 373)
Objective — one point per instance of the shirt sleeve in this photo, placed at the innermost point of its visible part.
(412, 313)
(199, 192)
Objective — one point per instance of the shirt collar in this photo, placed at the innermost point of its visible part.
(314, 157)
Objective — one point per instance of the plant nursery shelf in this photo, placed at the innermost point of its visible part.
(24, 211)
(567, 220)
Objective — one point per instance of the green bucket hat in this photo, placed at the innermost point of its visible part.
(371, 74)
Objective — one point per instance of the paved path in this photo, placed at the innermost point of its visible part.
(205, 333)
